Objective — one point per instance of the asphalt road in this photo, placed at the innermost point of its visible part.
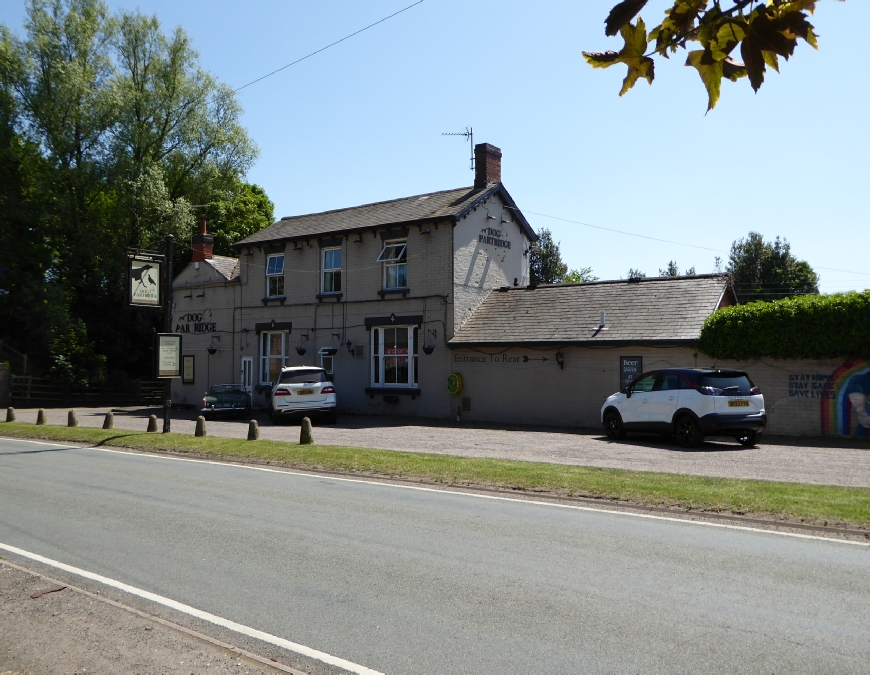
(406, 580)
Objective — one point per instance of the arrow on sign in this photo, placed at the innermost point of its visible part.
(526, 359)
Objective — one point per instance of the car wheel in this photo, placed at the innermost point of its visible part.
(688, 432)
(749, 440)
(613, 426)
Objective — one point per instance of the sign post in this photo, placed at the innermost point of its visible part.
(167, 326)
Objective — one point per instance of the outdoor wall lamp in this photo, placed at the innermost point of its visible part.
(349, 346)
(560, 359)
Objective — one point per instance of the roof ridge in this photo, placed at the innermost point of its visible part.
(710, 275)
(386, 201)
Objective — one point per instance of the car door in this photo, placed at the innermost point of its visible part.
(635, 408)
(663, 399)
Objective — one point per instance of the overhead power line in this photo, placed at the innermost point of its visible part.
(669, 241)
(346, 37)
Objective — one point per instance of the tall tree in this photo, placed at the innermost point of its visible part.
(582, 276)
(766, 270)
(545, 261)
(112, 130)
(764, 32)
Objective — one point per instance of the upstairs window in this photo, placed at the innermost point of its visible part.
(275, 276)
(331, 270)
(394, 257)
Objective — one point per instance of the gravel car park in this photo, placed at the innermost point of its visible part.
(689, 403)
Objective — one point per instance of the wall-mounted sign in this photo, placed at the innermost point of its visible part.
(167, 355)
(196, 322)
(493, 237)
(145, 280)
(187, 369)
(629, 368)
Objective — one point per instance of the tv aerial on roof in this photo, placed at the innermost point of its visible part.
(469, 134)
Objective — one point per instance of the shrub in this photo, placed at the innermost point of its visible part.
(804, 327)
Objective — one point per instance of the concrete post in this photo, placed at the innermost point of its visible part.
(305, 435)
(253, 430)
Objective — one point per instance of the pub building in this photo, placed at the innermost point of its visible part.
(422, 307)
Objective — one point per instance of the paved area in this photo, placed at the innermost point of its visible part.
(69, 632)
(817, 461)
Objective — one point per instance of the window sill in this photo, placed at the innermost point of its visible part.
(394, 291)
(329, 296)
(274, 298)
(413, 392)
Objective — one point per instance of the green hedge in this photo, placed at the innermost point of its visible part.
(803, 327)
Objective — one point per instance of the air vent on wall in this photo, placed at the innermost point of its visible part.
(359, 351)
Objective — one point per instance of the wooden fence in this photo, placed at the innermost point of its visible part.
(44, 392)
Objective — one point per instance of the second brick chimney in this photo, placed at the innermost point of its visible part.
(487, 165)
(203, 244)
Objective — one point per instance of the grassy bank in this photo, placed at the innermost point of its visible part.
(811, 503)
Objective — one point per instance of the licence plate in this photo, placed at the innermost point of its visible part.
(305, 392)
(738, 404)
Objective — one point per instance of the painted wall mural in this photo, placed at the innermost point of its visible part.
(846, 406)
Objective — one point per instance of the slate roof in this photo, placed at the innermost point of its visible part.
(226, 267)
(657, 310)
(426, 207)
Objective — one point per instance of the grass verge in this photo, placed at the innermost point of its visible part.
(823, 504)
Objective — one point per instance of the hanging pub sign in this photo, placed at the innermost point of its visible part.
(145, 279)
(167, 355)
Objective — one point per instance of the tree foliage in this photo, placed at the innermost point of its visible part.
(766, 270)
(807, 327)
(109, 132)
(672, 270)
(546, 266)
(736, 41)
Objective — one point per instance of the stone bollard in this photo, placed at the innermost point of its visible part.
(152, 424)
(109, 422)
(305, 435)
(10, 414)
(71, 420)
(253, 431)
(40, 416)
(200, 427)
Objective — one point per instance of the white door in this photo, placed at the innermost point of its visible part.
(636, 408)
(663, 398)
(248, 373)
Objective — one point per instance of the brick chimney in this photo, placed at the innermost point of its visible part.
(487, 165)
(203, 244)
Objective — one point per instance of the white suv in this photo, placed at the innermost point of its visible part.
(303, 391)
(689, 403)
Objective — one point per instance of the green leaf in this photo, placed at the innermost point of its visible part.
(632, 55)
(711, 72)
(733, 70)
(753, 59)
(621, 14)
(771, 60)
(729, 35)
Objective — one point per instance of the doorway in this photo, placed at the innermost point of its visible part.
(248, 373)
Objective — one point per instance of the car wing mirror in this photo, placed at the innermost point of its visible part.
(627, 392)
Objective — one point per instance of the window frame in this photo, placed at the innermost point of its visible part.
(266, 355)
(277, 276)
(378, 373)
(400, 260)
(324, 270)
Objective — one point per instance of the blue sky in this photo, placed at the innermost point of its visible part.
(362, 122)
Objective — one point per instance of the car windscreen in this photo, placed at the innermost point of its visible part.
(728, 384)
(227, 389)
(302, 376)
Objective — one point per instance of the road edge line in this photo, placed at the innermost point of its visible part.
(309, 652)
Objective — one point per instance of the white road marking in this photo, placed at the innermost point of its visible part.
(199, 614)
(630, 514)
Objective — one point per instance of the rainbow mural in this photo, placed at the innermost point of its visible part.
(846, 400)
